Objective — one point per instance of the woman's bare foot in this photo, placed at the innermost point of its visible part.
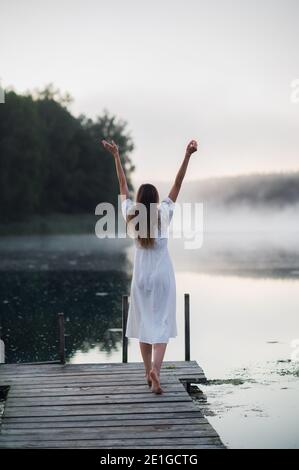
(149, 382)
(156, 387)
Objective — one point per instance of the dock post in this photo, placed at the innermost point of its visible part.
(124, 327)
(2, 350)
(61, 338)
(187, 327)
(187, 332)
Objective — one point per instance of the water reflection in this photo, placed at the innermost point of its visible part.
(30, 303)
(244, 315)
(79, 275)
(85, 278)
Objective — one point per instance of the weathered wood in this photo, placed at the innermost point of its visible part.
(124, 373)
(85, 423)
(187, 333)
(187, 327)
(188, 373)
(144, 416)
(101, 433)
(2, 349)
(88, 382)
(82, 380)
(62, 391)
(25, 367)
(112, 368)
(61, 338)
(169, 443)
(124, 327)
(99, 399)
(77, 410)
(126, 370)
(102, 406)
(194, 446)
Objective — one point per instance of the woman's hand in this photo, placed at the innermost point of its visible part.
(191, 147)
(122, 180)
(112, 148)
(174, 192)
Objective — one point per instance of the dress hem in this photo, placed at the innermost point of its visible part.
(142, 340)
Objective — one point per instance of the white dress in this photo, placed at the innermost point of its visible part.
(152, 306)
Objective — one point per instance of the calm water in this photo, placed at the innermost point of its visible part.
(244, 290)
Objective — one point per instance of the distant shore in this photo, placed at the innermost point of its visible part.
(51, 224)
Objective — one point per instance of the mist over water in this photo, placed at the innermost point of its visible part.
(243, 239)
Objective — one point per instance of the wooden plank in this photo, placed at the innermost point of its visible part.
(81, 377)
(185, 446)
(139, 423)
(148, 397)
(115, 443)
(52, 387)
(96, 368)
(194, 412)
(21, 364)
(23, 367)
(115, 433)
(98, 418)
(77, 410)
(118, 379)
(7, 378)
(108, 392)
(19, 391)
(86, 383)
(93, 383)
(192, 371)
(13, 372)
(194, 446)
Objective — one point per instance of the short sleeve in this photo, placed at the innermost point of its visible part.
(126, 205)
(167, 208)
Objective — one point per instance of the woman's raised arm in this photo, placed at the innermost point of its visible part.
(191, 148)
(123, 187)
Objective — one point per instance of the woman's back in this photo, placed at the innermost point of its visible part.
(160, 231)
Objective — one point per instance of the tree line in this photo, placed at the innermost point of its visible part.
(53, 162)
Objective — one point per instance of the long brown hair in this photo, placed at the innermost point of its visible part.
(147, 194)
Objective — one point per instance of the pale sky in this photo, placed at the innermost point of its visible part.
(218, 71)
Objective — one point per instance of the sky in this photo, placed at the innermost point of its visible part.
(218, 71)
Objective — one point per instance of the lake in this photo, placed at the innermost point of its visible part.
(244, 296)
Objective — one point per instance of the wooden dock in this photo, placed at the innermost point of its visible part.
(106, 406)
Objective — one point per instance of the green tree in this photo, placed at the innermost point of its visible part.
(52, 162)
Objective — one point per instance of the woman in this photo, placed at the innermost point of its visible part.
(152, 309)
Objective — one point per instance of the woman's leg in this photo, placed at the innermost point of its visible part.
(146, 352)
(158, 356)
